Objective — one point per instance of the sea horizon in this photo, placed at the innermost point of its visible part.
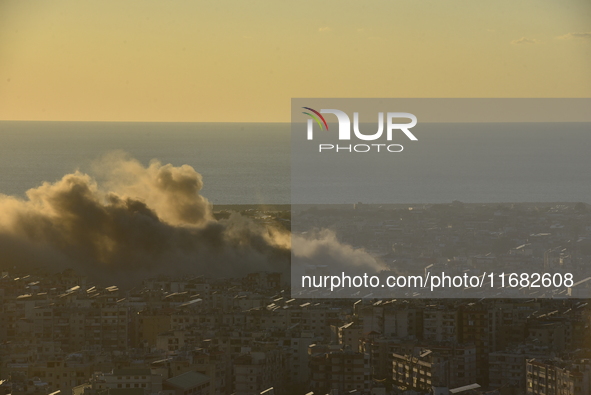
(249, 162)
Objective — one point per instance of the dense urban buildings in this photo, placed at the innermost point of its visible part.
(214, 336)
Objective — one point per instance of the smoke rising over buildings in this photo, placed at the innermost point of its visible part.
(131, 221)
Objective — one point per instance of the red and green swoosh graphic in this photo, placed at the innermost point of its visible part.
(316, 116)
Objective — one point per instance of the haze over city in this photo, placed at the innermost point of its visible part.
(162, 233)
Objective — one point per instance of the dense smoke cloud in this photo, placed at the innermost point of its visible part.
(140, 221)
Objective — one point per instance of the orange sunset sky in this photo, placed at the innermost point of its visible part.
(242, 61)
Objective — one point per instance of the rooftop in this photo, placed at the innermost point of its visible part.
(188, 380)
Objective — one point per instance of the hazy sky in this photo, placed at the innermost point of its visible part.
(220, 60)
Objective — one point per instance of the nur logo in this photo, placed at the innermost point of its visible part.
(345, 130)
(345, 124)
